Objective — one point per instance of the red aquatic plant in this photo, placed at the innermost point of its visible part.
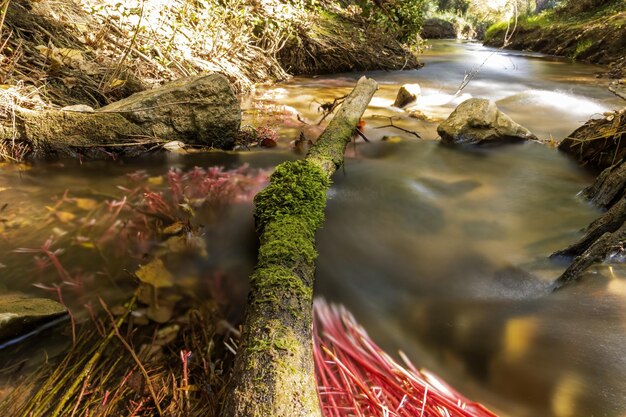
(357, 378)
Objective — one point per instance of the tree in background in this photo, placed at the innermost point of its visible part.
(457, 6)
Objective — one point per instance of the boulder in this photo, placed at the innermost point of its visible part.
(435, 28)
(407, 94)
(478, 121)
(20, 314)
(200, 110)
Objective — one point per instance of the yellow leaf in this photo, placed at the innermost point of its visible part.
(88, 245)
(65, 216)
(43, 50)
(116, 83)
(68, 55)
(173, 229)
(155, 180)
(86, 203)
(156, 274)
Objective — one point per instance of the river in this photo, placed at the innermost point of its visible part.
(439, 251)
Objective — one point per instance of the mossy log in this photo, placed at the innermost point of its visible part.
(200, 110)
(274, 371)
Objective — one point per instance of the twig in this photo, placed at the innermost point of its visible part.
(118, 68)
(399, 128)
(358, 132)
(328, 108)
(506, 42)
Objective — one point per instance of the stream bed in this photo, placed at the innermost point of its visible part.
(439, 251)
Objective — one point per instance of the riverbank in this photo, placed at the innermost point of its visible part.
(97, 51)
(598, 38)
(92, 53)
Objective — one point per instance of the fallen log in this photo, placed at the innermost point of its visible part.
(273, 373)
(201, 110)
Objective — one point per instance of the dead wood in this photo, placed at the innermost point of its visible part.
(274, 374)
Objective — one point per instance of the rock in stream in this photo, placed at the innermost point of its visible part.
(20, 314)
(479, 121)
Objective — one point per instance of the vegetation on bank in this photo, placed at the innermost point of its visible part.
(588, 30)
(97, 51)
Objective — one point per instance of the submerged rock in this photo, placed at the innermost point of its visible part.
(20, 314)
(479, 121)
(201, 110)
(408, 93)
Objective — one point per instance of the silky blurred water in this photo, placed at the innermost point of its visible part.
(439, 251)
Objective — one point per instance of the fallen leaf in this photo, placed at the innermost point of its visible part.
(174, 228)
(65, 216)
(156, 274)
(160, 313)
(89, 68)
(155, 180)
(186, 244)
(69, 56)
(116, 83)
(86, 203)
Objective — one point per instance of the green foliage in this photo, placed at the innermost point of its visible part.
(457, 6)
(409, 16)
(404, 18)
(581, 47)
(574, 7)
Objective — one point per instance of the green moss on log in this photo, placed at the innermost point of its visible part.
(289, 242)
(279, 285)
(296, 189)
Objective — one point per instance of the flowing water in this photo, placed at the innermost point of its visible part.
(439, 251)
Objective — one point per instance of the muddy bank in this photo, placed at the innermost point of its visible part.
(599, 40)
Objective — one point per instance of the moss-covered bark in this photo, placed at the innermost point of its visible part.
(274, 373)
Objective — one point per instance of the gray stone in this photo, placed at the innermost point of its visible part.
(408, 93)
(20, 314)
(199, 110)
(478, 121)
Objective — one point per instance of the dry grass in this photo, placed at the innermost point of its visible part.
(599, 142)
(120, 368)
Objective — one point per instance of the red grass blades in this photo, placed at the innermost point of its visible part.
(356, 378)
